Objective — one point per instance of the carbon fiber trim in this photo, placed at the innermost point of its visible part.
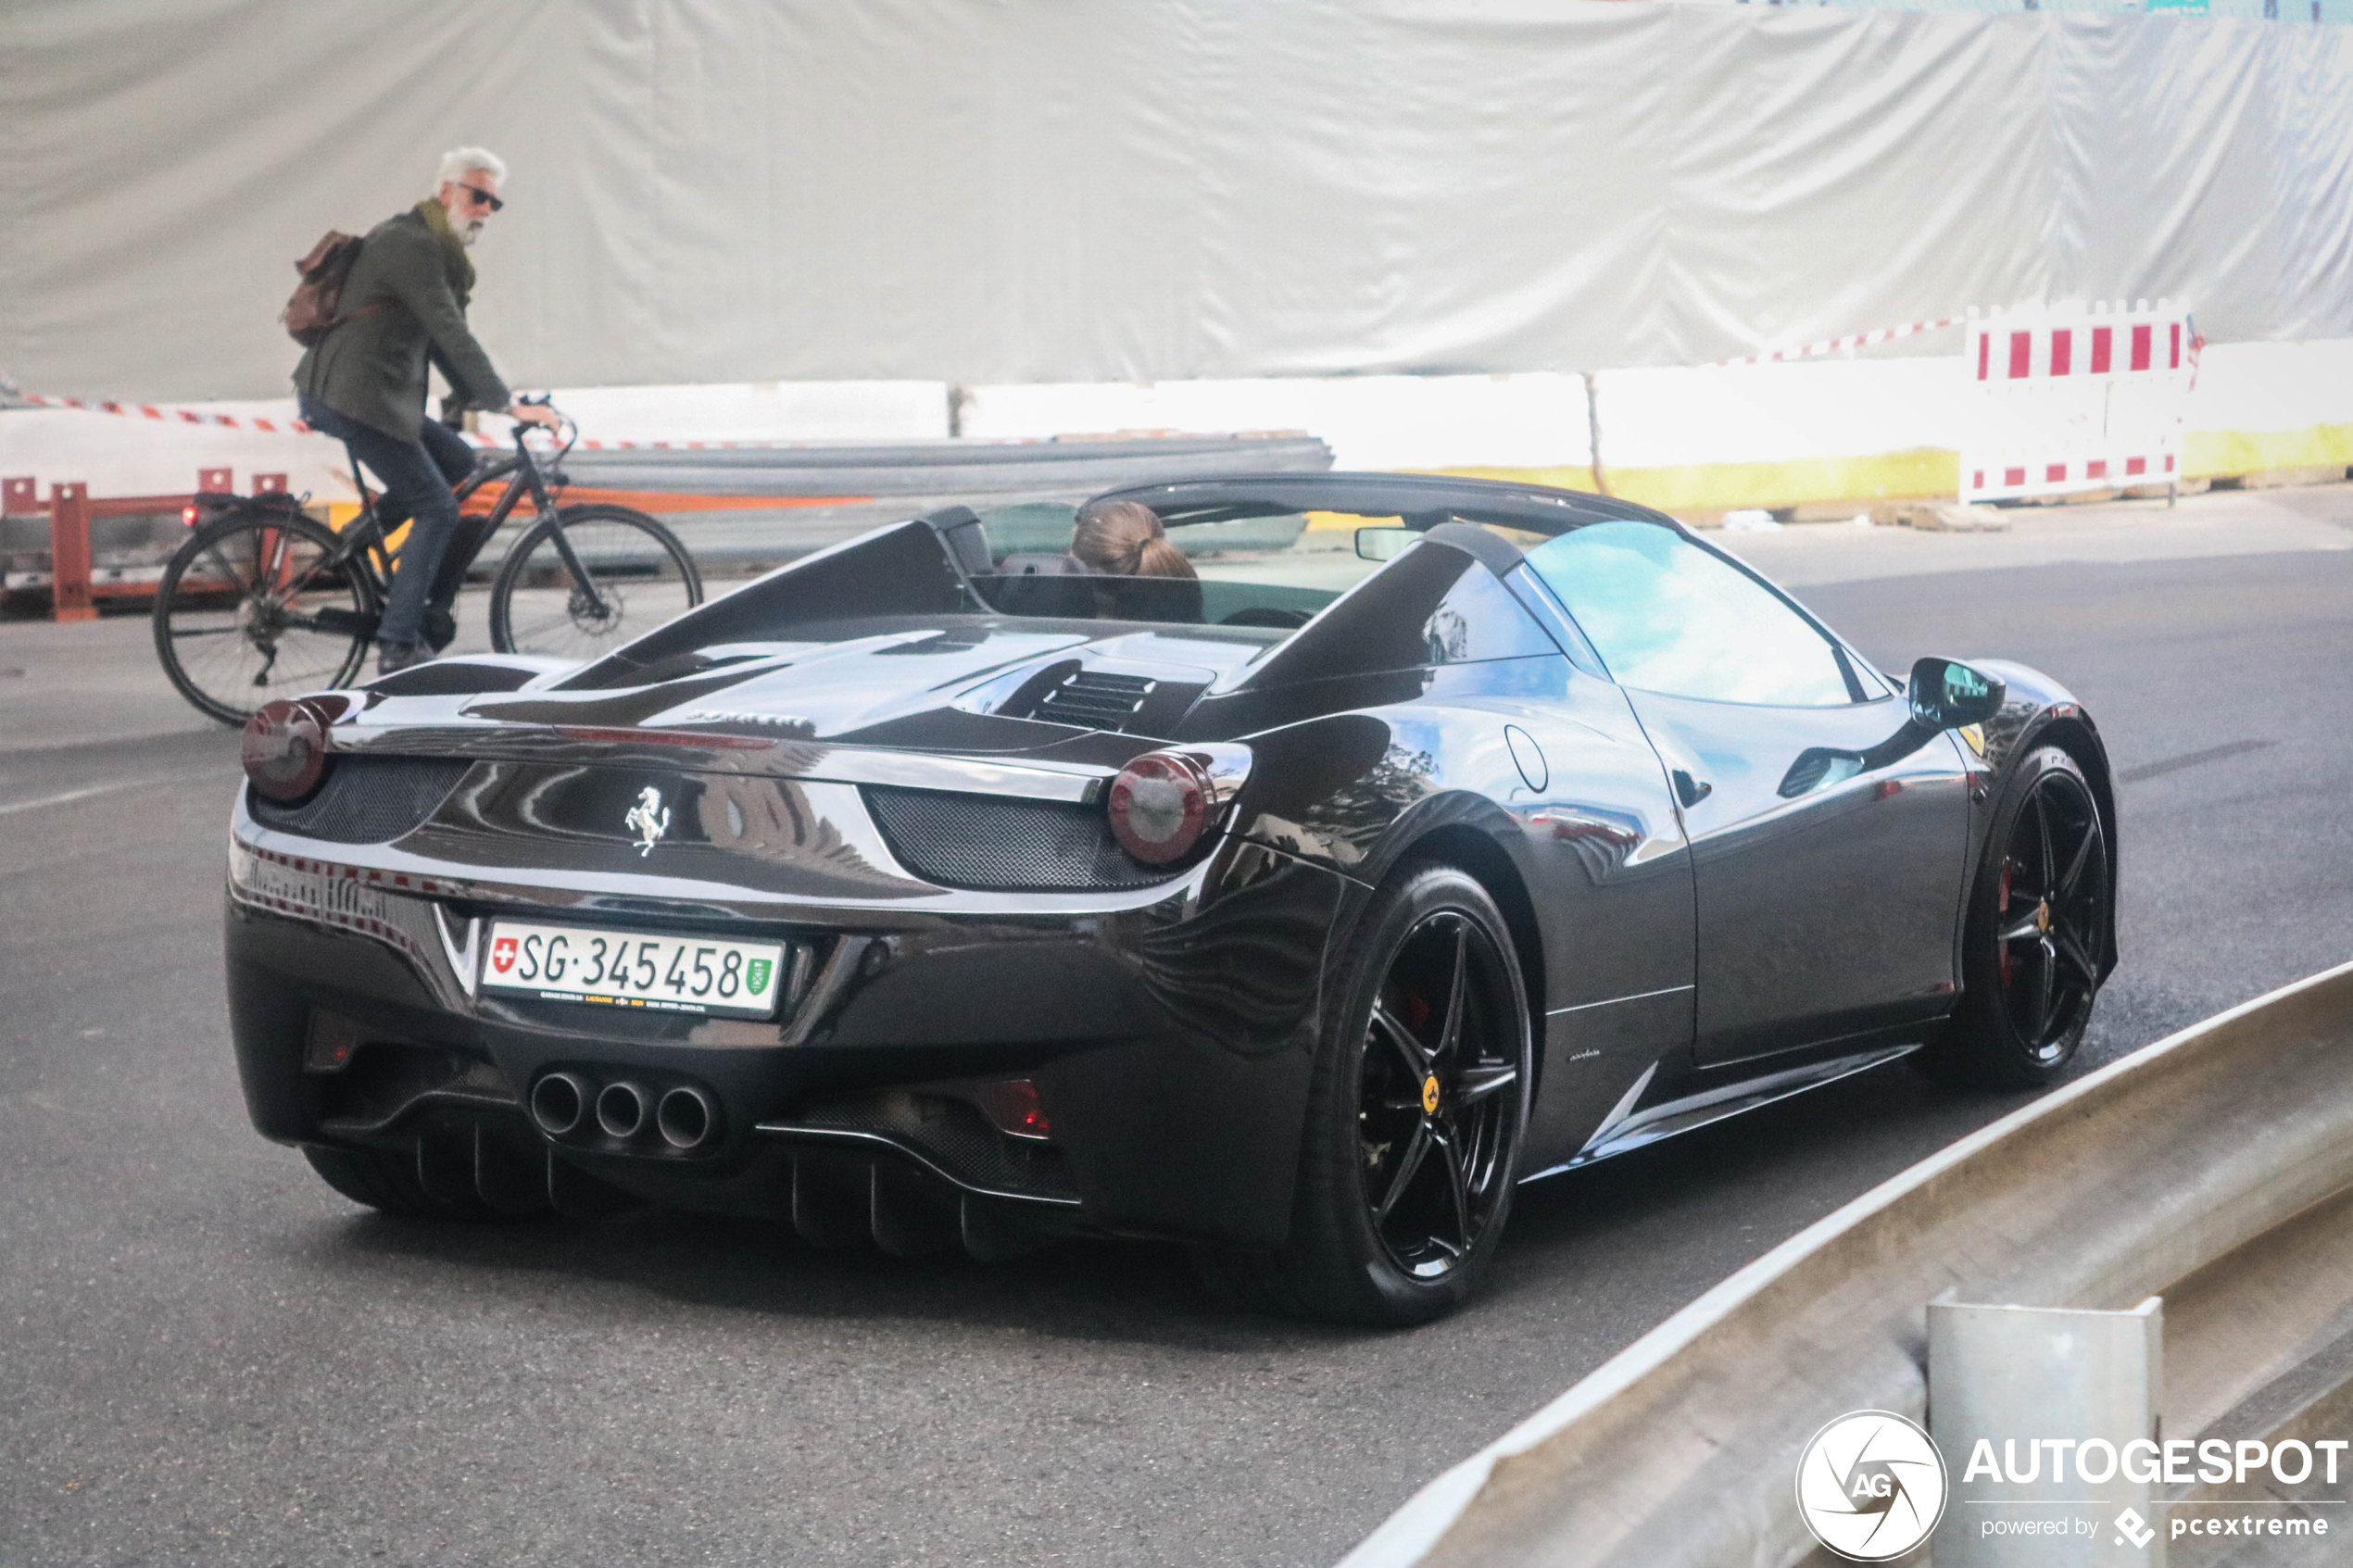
(365, 799)
(1004, 845)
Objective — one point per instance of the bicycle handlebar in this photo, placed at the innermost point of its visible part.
(566, 430)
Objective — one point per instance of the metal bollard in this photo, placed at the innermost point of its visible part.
(70, 553)
(2048, 1400)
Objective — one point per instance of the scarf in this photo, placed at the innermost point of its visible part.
(437, 218)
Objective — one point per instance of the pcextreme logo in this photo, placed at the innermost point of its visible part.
(1871, 1485)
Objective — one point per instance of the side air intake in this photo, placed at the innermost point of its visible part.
(1093, 698)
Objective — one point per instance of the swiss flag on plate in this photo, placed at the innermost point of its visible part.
(502, 954)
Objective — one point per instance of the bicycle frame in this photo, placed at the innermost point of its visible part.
(371, 546)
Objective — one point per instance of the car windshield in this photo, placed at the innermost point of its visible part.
(1274, 570)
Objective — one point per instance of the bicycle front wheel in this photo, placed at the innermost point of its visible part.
(582, 583)
(258, 605)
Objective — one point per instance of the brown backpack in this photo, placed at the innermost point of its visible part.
(310, 313)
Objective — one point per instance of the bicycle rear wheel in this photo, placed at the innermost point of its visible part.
(258, 605)
(632, 575)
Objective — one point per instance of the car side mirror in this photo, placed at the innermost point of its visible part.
(1947, 695)
(1384, 543)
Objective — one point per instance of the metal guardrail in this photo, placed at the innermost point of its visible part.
(1075, 467)
(2215, 1166)
(736, 507)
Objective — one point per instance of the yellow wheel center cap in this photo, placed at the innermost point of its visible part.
(1430, 1094)
(2042, 917)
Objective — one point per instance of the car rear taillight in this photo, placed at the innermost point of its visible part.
(1159, 805)
(189, 514)
(285, 749)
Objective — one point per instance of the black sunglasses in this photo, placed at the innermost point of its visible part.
(485, 197)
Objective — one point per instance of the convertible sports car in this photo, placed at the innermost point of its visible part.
(1438, 835)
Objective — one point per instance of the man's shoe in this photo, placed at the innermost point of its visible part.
(392, 658)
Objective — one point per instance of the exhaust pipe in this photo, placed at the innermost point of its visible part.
(621, 1109)
(688, 1119)
(559, 1102)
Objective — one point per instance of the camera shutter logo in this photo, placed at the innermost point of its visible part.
(1871, 1485)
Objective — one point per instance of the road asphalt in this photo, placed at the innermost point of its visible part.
(210, 1358)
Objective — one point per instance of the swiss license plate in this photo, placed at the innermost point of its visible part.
(632, 970)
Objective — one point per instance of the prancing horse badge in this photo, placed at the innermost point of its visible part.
(648, 819)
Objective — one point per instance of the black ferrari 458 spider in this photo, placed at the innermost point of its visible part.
(1431, 836)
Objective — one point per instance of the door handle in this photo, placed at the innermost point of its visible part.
(1691, 791)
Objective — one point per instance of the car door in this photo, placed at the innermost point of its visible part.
(1827, 862)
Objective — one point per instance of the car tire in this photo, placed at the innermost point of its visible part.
(2036, 929)
(1405, 1186)
(388, 1183)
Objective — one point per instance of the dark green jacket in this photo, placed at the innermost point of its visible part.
(371, 368)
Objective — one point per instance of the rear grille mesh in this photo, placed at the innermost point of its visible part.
(1093, 697)
(365, 799)
(992, 843)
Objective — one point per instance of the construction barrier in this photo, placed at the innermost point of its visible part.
(2075, 399)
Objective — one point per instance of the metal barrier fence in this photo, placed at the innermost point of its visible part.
(2214, 1167)
(68, 571)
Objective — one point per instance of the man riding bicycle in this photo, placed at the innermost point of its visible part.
(403, 306)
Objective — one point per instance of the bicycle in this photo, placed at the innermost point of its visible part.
(266, 601)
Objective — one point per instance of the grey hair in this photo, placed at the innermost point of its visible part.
(458, 162)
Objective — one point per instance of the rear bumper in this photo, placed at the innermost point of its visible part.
(1170, 1032)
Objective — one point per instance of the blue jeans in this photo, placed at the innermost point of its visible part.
(417, 477)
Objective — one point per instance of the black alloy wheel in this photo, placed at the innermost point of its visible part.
(2038, 928)
(1416, 1116)
(1436, 1097)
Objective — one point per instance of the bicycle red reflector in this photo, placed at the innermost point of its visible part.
(1014, 1105)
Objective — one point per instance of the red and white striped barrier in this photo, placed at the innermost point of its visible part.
(2077, 397)
(1847, 345)
(169, 414)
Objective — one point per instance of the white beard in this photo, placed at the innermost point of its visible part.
(468, 230)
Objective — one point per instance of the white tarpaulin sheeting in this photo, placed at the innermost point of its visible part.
(1038, 191)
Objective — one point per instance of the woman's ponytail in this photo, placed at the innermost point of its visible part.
(1125, 539)
(1158, 558)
